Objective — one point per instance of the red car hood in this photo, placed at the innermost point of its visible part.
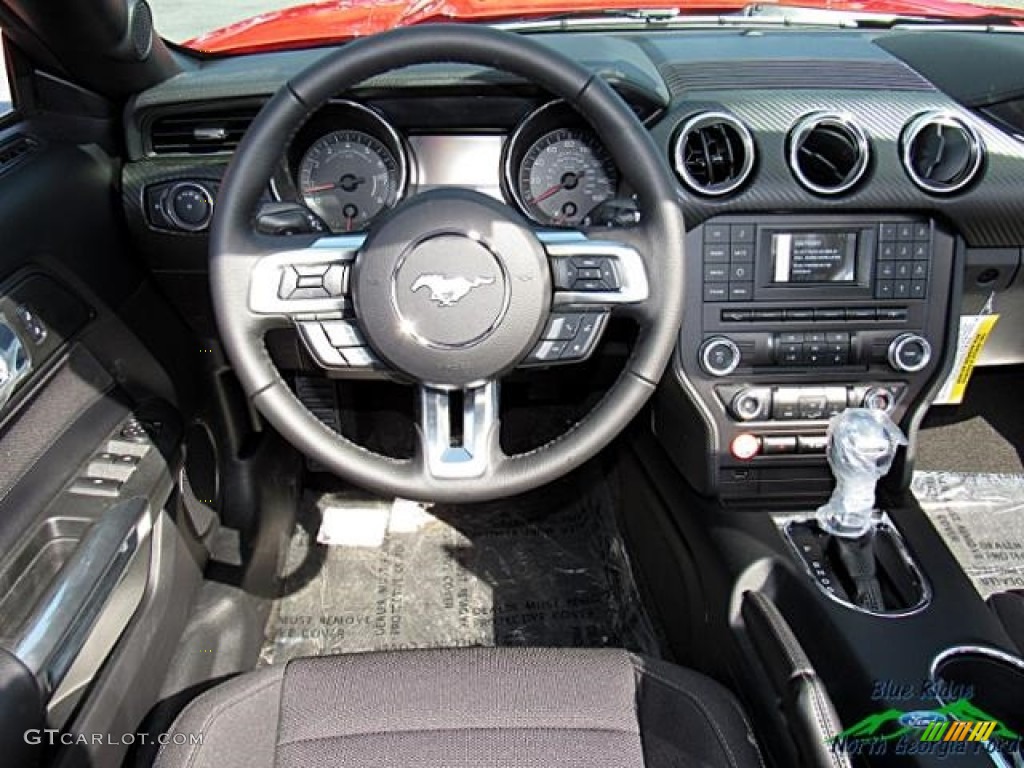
(326, 22)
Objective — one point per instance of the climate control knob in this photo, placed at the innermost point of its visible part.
(719, 356)
(909, 353)
(879, 399)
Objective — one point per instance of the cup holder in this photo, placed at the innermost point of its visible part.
(989, 683)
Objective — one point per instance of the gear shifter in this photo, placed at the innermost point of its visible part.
(862, 444)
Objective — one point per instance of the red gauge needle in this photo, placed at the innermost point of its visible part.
(319, 188)
(547, 193)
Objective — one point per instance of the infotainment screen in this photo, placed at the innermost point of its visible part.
(814, 257)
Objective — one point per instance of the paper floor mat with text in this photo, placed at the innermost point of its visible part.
(537, 572)
(981, 519)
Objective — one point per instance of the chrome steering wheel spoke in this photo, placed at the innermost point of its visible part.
(459, 431)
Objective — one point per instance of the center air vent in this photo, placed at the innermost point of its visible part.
(713, 153)
(828, 153)
(941, 153)
(200, 133)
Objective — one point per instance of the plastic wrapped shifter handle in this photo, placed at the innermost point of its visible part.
(861, 446)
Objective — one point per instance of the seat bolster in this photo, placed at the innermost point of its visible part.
(236, 722)
(687, 718)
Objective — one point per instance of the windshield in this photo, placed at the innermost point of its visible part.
(221, 26)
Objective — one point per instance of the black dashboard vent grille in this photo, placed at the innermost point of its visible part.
(828, 153)
(790, 74)
(941, 152)
(200, 133)
(713, 153)
(15, 151)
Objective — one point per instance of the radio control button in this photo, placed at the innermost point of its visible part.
(803, 315)
(741, 272)
(735, 315)
(741, 291)
(922, 230)
(716, 254)
(918, 289)
(886, 270)
(919, 270)
(905, 231)
(719, 356)
(791, 338)
(904, 251)
(888, 233)
(837, 337)
(901, 289)
(861, 313)
(887, 251)
(742, 252)
(830, 314)
(716, 292)
(884, 289)
(742, 233)
(716, 233)
(716, 273)
(921, 251)
(815, 337)
(894, 314)
(903, 269)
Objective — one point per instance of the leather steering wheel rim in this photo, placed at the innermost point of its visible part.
(234, 249)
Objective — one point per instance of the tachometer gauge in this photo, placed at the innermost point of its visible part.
(564, 175)
(348, 178)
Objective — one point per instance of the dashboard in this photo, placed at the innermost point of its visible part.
(847, 194)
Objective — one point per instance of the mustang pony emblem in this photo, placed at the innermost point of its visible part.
(446, 291)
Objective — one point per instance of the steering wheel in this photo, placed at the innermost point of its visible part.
(451, 289)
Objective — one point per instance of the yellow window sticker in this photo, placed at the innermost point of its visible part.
(974, 332)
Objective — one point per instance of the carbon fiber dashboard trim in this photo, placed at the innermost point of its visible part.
(990, 213)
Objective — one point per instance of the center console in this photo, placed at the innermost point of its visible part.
(789, 320)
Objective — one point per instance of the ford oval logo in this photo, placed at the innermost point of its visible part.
(921, 718)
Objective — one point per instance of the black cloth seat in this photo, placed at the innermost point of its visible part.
(466, 708)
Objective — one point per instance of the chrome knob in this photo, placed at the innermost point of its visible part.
(909, 353)
(719, 356)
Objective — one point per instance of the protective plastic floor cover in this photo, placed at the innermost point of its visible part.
(550, 570)
(981, 518)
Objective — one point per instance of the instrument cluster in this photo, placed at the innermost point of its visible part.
(349, 166)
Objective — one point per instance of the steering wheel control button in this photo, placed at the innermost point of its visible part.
(452, 288)
(719, 356)
(582, 345)
(343, 334)
(563, 326)
(745, 446)
(909, 353)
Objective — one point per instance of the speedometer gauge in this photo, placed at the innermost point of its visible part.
(348, 178)
(564, 175)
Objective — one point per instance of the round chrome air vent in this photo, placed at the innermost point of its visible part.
(828, 152)
(713, 153)
(942, 153)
